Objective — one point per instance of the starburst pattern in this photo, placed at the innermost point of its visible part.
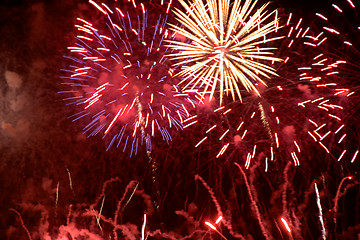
(120, 78)
(227, 48)
(301, 109)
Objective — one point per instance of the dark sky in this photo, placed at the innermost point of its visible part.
(39, 146)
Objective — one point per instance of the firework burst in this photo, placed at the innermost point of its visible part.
(340, 23)
(120, 78)
(299, 109)
(227, 47)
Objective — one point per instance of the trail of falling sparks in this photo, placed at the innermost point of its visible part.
(286, 225)
(57, 195)
(118, 63)
(143, 228)
(254, 205)
(70, 181)
(98, 216)
(226, 48)
(323, 231)
(336, 199)
(214, 228)
(22, 223)
(218, 208)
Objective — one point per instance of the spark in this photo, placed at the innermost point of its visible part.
(240, 126)
(219, 219)
(321, 16)
(326, 149)
(342, 138)
(222, 136)
(210, 225)
(342, 154)
(98, 7)
(143, 228)
(211, 128)
(355, 155)
(223, 150)
(189, 124)
(337, 8)
(351, 3)
(214, 228)
(285, 224)
(201, 141)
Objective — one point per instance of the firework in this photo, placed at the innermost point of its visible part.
(119, 77)
(340, 24)
(230, 197)
(297, 110)
(226, 48)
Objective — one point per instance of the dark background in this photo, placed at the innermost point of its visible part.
(39, 146)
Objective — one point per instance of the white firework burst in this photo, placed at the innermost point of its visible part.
(227, 48)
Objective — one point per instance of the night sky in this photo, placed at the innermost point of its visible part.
(47, 164)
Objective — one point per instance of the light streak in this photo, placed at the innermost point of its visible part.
(321, 16)
(286, 225)
(189, 124)
(143, 228)
(266, 164)
(297, 146)
(342, 154)
(57, 194)
(323, 230)
(351, 3)
(214, 228)
(222, 136)
(355, 155)
(202, 140)
(337, 8)
(326, 149)
(98, 7)
(222, 150)
(219, 219)
(342, 138)
(211, 226)
(295, 158)
(211, 128)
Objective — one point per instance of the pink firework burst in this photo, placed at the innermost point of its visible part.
(118, 77)
(297, 113)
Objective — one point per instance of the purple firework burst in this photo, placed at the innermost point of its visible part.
(119, 79)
